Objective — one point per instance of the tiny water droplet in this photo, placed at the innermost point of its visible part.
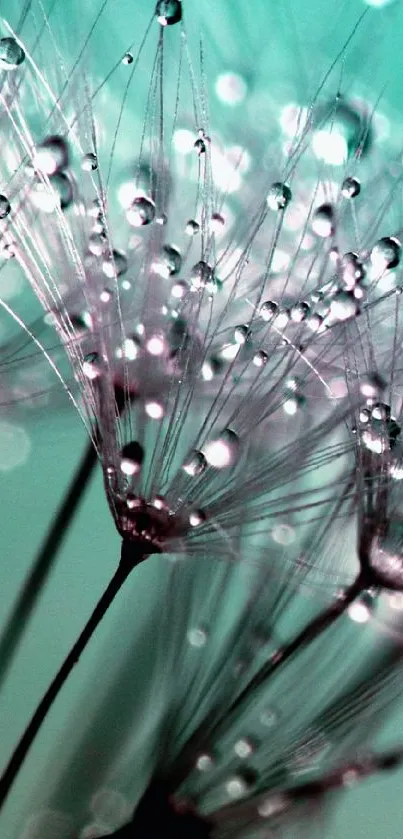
(168, 12)
(89, 162)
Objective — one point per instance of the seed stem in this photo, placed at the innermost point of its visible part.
(129, 560)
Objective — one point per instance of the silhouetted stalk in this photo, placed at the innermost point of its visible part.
(44, 561)
(129, 560)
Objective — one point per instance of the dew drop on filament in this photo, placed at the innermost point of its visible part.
(168, 12)
(141, 212)
(11, 54)
(224, 451)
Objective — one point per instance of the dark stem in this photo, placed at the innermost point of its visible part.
(44, 562)
(129, 560)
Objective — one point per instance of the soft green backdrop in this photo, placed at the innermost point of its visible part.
(283, 48)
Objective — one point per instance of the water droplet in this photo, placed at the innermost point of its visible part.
(168, 12)
(132, 456)
(244, 748)
(217, 222)
(89, 162)
(202, 277)
(196, 518)
(300, 312)
(237, 787)
(195, 465)
(343, 306)
(260, 358)
(341, 130)
(154, 410)
(58, 194)
(352, 269)
(91, 366)
(323, 221)
(372, 386)
(192, 227)
(279, 196)
(11, 54)
(350, 188)
(224, 451)
(171, 260)
(115, 265)
(241, 334)
(268, 717)
(180, 289)
(51, 156)
(197, 637)
(200, 146)
(141, 212)
(385, 255)
(361, 610)
(5, 206)
(268, 310)
(386, 556)
(97, 243)
(205, 762)
(127, 58)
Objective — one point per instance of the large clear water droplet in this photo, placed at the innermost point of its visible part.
(11, 54)
(323, 221)
(51, 156)
(141, 212)
(223, 451)
(168, 12)
(58, 194)
(350, 187)
(279, 196)
(386, 254)
(195, 465)
(132, 456)
(5, 206)
(202, 277)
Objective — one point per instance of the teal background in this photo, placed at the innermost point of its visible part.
(283, 49)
